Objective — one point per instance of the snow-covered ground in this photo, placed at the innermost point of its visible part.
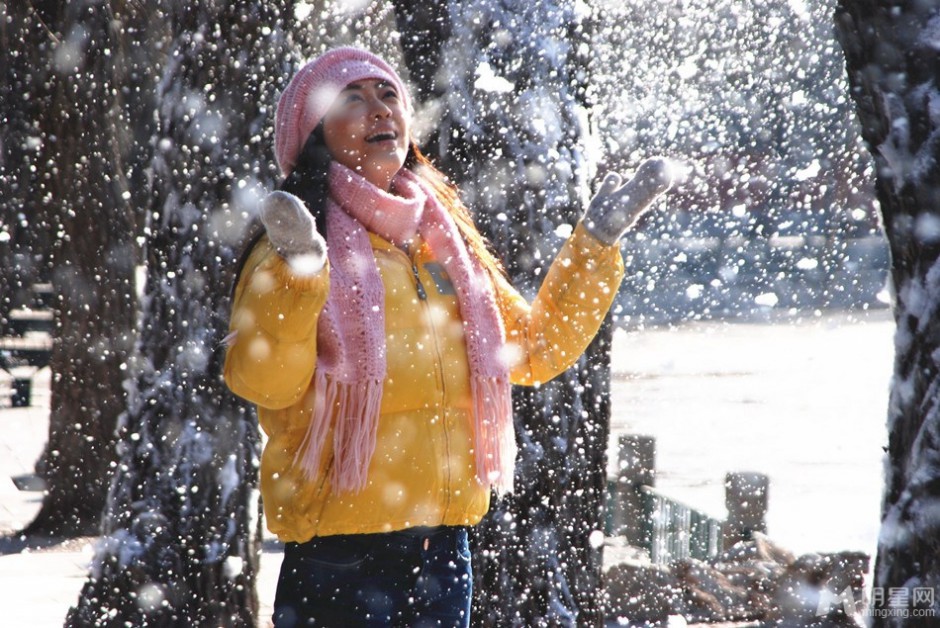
(802, 401)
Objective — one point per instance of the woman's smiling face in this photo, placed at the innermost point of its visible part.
(368, 129)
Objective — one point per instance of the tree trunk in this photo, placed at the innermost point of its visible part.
(93, 276)
(893, 61)
(24, 95)
(505, 80)
(180, 545)
(17, 39)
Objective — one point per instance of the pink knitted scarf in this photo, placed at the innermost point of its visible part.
(351, 363)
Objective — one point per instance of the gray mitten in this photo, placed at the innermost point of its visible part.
(615, 208)
(293, 232)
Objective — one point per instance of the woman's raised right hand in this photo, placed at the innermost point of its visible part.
(293, 232)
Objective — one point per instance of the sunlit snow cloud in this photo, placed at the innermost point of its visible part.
(306, 265)
(488, 81)
(927, 228)
(930, 35)
(69, 54)
(302, 10)
(800, 9)
(676, 171)
(768, 299)
(348, 7)
(809, 172)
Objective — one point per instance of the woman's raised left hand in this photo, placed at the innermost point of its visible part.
(615, 208)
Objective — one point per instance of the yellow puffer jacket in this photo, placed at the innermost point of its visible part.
(422, 471)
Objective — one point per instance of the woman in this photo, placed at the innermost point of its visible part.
(381, 356)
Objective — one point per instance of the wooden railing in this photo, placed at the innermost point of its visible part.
(26, 343)
(678, 531)
(668, 529)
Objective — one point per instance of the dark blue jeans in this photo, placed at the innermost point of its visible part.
(415, 577)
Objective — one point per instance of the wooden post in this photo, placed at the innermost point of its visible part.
(636, 468)
(746, 501)
(22, 389)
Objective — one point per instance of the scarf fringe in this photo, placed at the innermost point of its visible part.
(351, 365)
(356, 407)
(495, 437)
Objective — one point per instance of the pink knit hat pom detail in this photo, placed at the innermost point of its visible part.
(312, 91)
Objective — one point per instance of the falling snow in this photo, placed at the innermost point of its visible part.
(146, 137)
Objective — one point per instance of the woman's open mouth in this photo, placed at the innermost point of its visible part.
(382, 136)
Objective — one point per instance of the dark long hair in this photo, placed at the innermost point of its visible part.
(309, 181)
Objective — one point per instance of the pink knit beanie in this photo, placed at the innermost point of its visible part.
(314, 88)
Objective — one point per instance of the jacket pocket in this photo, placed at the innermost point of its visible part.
(345, 552)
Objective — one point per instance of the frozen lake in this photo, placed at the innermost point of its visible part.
(801, 401)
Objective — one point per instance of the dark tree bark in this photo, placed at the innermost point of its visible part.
(893, 63)
(507, 84)
(93, 276)
(180, 546)
(25, 93)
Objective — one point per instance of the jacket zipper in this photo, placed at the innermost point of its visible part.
(423, 296)
(420, 287)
